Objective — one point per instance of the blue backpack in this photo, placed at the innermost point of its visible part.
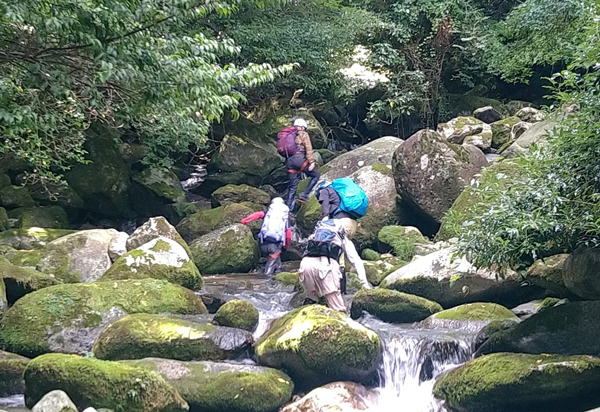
(353, 199)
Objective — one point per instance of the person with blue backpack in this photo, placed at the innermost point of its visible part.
(293, 143)
(274, 234)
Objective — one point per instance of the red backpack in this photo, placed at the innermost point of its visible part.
(286, 142)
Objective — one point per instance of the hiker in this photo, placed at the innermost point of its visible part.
(274, 234)
(320, 270)
(332, 208)
(293, 143)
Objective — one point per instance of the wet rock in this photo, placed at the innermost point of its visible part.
(217, 387)
(502, 131)
(79, 257)
(391, 306)
(470, 316)
(343, 396)
(431, 173)
(237, 314)
(32, 238)
(161, 258)
(509, 382)
(527, 309)
(432, 276)
(569, 329)
(314, 345)
(49, 217)
(487, 114)
(231, 249)
(238, 194)
(213, 301)
(11, 373)
(15, 196)
(55, 401)
(493, 327)
(102, 384)
(580, 273)
(536, 134)
(530, 115)
(141, 336)
(401, 240)
(466, 130)
(69, 318)
(20, 281)
(547, 273)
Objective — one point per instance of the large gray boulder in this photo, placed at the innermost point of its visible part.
(55, 401)
(547, 273)
(580, 273)
(342, 396)
(430, 172)
(467, 130)
(487, 114)
(154, 228)
(450, 280)
(536, 134)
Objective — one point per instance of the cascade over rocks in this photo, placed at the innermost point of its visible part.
(316, 345)
(467, 130)
(12, 367)
(569, 329)
(580, 273)
(470, 316)
(101, 384)
(391, 306)
(430, 277)
(227, 250)
(510, 382)
(431, 173)
(68, 318)
(143, 335)
(217, 387)
(344, 396)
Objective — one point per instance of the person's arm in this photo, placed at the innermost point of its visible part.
(324, 200)
(252, 217)
(356, 262)
(308, 149)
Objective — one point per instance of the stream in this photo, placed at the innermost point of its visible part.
(412, 357)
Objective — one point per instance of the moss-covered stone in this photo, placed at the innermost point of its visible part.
(467, 130)
(205, 221)
(580, 272)
(288, 278)
(48, 217)
(21, 281)
(476, 199)
(163, 183)
(326, 154)
(465, 104)
(4, 180)
(227, 250)
(238, 194)
(316, 345)
(153, 228)
(501, 131)
(161, 258)
(3, 299)
(237, 314)
(143, 335)
(15, 196)
(509, 382)
(4, 224)
(56, 194)
(68, 318)
(32, 238)
(218, 387)
(23, 258)
(548, 274)
(380, 269)
(370, 254)
(309, 214)
(101, 384)
(470, 315)
(494, 326)
(402, 240)
(392, 306)
(11, 373)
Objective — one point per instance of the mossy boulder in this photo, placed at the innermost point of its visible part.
(391, 306)
(491, 328)
(502, 131)
(32, 238)
(288, 278)
(20, 281)
(15, 196)
(153, 228)
(238, 194)
(22, 258)
(336, 396)
(370, 254)
(205, 221)
(430, 173)
(100, 384)
(78, 257)
(4, 224)
(476, 199)
(547, 273)
(3, 298)
(401, 240)
(68, 318)
(467, 130)
(237, 314)
(451, 280)
(49, 217)
(317, 345)
(4, 180)
(12, 367)
(468, 316)
(569, 329)
(143, 335)
(161, 258)
(227, 250)
(511, 382)
(56, 194)
(163, 183)
(379, 269)
(580, 272)
(216, 387)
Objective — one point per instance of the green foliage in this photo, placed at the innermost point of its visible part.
(65, 65)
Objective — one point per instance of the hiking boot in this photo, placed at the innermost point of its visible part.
(309, 301)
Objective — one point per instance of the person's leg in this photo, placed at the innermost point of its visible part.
(293, 164)
(308, 274)
(314, 176)
(273, 259)
(335, 301)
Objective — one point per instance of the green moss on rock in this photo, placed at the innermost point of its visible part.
(4, 225)
(402, 240)
(238, 194)
(34, 322)
(309, 214)
(21, 281)
(12, 367)
(370, 254)
(100, 384)
(476, 312)
(15, 196)
(218, 387)
(48, 217)
(288, 278)
(23, 258)
(507, 382)
(548, 274)
(140, 336)
(392, 306)
(316, 345)
(501, 131)
(4, 180)
(237, 314)
(31, 238)
(163, 183)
